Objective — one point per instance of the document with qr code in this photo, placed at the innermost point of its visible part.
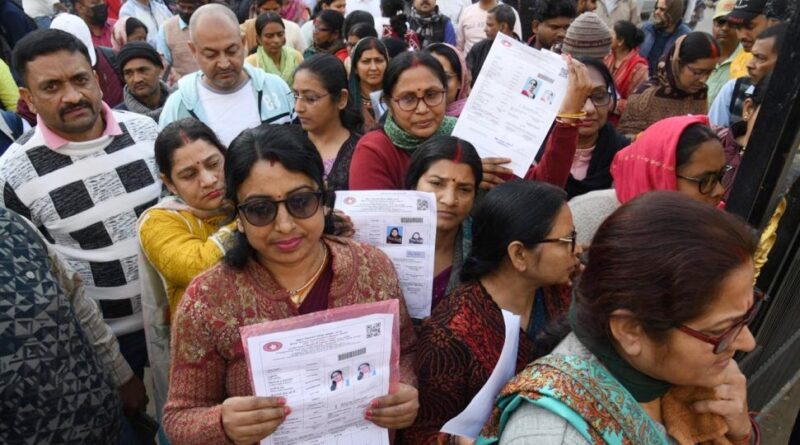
(329, 366)
(402, 223)
(514, 102)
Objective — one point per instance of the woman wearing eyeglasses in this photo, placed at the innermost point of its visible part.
(281, 265)
(328, 35)
(679, 87)
(327, 113)
(522, 261)
(415, 91)
(658, 315)
(598, 140)
(679, 153)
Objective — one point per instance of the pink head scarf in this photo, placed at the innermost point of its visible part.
(454, 108)
(118, 35)
(294, 11)
(648, 164)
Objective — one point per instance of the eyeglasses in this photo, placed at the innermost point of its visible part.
(309, 99)
(723, 341)
(410, 102)
(262, 211)
(572, 240)
(600, 98)
(707, 182)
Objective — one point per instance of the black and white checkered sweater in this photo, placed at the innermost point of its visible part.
(85, 198)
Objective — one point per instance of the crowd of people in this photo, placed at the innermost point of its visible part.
(169, 174)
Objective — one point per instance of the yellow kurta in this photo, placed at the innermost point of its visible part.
(180, 246)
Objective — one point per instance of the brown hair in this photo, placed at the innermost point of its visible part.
(663, 257)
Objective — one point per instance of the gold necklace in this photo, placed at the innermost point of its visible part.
(294, 293)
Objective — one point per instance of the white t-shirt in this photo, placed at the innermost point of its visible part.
(453, 8)
(228, 114)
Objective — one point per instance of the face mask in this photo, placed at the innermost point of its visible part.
(99, 14)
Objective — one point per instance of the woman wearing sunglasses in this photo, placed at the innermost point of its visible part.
(522, 261)
(679, 153)
(415, 92)
(658, 315)
(281, 265)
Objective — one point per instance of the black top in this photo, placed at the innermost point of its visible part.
(340, 172)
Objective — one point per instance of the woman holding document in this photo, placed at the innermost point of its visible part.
(415, 91)
(522, 261)
(281, 265)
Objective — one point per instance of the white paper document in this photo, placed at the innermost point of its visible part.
(328, 373)
(514, 102)
(402, 223)
(470, 421)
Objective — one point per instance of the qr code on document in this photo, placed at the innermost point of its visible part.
(422, 204)
(373, 330)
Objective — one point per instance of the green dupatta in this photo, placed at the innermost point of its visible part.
(288, 64)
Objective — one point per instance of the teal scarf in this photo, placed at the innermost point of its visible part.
(643, 387)
(401, 139)
(288, 64)
(582, 392)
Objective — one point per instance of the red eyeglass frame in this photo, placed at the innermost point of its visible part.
(722, 341)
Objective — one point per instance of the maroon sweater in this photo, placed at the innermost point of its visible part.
(378, 165)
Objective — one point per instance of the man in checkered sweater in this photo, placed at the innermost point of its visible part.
(82, 176)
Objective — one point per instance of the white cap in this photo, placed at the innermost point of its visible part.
(78, 28)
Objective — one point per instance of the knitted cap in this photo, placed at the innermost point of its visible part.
(137, 50)
(587, 36)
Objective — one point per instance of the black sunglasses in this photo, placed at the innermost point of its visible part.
(262, 211)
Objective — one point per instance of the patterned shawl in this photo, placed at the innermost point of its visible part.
(663, 96)
(581, 391)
